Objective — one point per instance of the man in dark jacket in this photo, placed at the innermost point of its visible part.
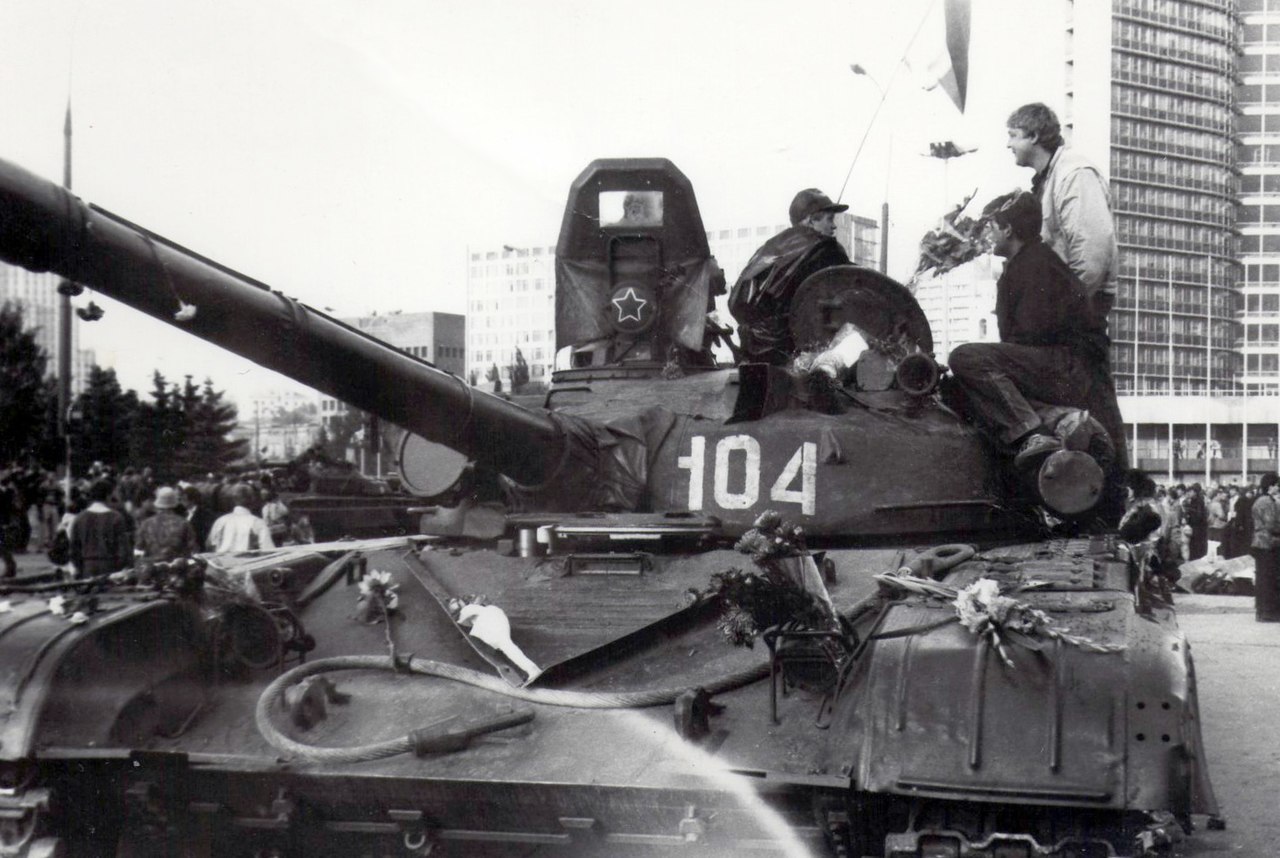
(761, 299)
(1049, 343)
(101, 540)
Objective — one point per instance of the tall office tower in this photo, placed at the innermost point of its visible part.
(37, 296)
(1259, 216)
(1170, 132)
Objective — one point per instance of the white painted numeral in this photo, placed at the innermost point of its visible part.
(695, 462)
(805, 463)
(750, 493)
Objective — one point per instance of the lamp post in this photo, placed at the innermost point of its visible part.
(946, 151)
(884, 205)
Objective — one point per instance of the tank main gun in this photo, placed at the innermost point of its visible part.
(43, 227)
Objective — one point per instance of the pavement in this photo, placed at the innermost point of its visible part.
(1238, 672)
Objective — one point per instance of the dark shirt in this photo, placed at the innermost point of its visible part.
(1040, 302)
(100, 542)
(761, 299)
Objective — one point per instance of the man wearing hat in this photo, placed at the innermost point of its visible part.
(761, 299)
(166, 535)
(1050, 341)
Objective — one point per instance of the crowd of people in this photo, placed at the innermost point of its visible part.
(1189, 523)
(115, 521)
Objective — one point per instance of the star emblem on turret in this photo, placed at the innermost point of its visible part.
(630, 306)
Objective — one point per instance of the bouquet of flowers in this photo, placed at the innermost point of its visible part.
(785, 586)
(994, 617)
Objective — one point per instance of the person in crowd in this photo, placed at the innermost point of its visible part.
(1266, 538)
(240, 529)
(1048, 342)
(100, 539)
(1174, 525)
(1196, 518)
(1242, 523)
(166, 535)
(1217, 524)
(198, 513)
(8, 524)
(1142, 520)
(1077, 224)
(761, 298)
(276, 514)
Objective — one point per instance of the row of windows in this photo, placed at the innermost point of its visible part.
(1258, 215)
(1259, 244)
(1260, 63)
(1163, 202)
(1186, 174)
(509, 252)
(1257, 93)
(1260, 33)
(478, 339)
(521, 302)
(1262, 335)
(1154, 265)
(1257, 123)
(1261, 273)
(441, 352)
(1195, 112)
(1194, 15)
(1161, 233)
(1257, 5)
(1175, 76)
(1254, 183)
(1268, 304)
(1262, 363)
(1172, 140)
(1209, 49)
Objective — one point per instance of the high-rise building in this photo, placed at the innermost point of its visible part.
(1259, 215)
(1161, 118)
(1170, 131)
(37, 296)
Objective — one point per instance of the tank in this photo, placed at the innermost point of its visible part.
(683, 606)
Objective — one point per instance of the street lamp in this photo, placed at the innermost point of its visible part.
(884, 205)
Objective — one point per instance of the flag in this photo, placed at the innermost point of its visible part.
(949, 67)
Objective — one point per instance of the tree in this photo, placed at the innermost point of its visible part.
(103, 428)
(23, 390)
(208, 420)
(158, 430)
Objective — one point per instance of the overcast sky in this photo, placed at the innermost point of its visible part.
(349, 153)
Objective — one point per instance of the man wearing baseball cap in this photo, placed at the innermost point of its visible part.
(761, 299)
(1050, 340)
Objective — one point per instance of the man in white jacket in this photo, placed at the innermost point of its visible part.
(1077, 224)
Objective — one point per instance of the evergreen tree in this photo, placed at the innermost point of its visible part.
(209, 421)
(158, 431)
(22, 387)
(102, 430)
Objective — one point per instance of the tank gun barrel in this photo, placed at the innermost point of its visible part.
(43, 227)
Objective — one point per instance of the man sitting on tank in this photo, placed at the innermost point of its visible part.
(1049, 341)
(761, 299)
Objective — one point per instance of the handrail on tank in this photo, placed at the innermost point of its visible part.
(43, 227)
